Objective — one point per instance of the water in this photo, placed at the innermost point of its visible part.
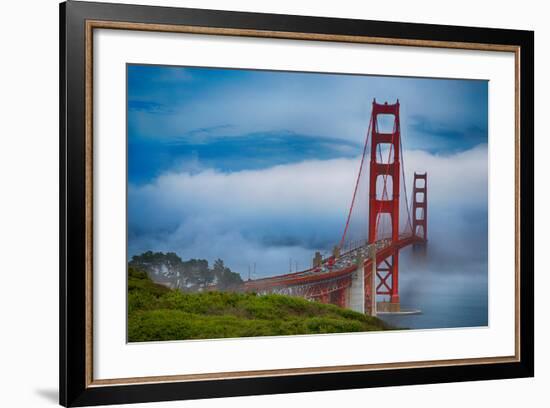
(445, 301)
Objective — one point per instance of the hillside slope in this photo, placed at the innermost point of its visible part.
(156, 313)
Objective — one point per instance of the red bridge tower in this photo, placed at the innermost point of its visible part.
(388, 203)
(420, 208)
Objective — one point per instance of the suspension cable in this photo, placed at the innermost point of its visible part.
(356, 183)
(405, 184)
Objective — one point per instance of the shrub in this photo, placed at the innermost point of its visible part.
(156, 313)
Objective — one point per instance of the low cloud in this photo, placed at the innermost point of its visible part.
(281, 215)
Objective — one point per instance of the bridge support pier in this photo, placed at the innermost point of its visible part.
(388, 307)
(356, 297)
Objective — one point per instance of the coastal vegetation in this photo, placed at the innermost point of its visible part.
(157, 313)
(189, 276)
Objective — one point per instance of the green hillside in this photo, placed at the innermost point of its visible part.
(156, 313)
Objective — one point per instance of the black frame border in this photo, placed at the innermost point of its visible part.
(72, 125)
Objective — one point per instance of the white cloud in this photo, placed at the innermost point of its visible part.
(268, 216)
(458, 178)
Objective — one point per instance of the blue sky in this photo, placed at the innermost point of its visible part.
(246, 119)
(258, 166)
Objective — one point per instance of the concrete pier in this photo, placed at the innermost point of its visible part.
(356, 298)
(388, 307)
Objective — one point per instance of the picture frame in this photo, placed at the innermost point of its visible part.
(78, 23)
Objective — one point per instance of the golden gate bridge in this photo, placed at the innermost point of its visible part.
(360, 271)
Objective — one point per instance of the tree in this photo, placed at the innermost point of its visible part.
(188, 275)
(225, 277)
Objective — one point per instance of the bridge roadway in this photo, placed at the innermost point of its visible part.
(334, 274)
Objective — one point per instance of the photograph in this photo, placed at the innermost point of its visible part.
(282, 203)
(256, 202)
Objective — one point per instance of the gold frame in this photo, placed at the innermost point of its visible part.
(99, 24)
